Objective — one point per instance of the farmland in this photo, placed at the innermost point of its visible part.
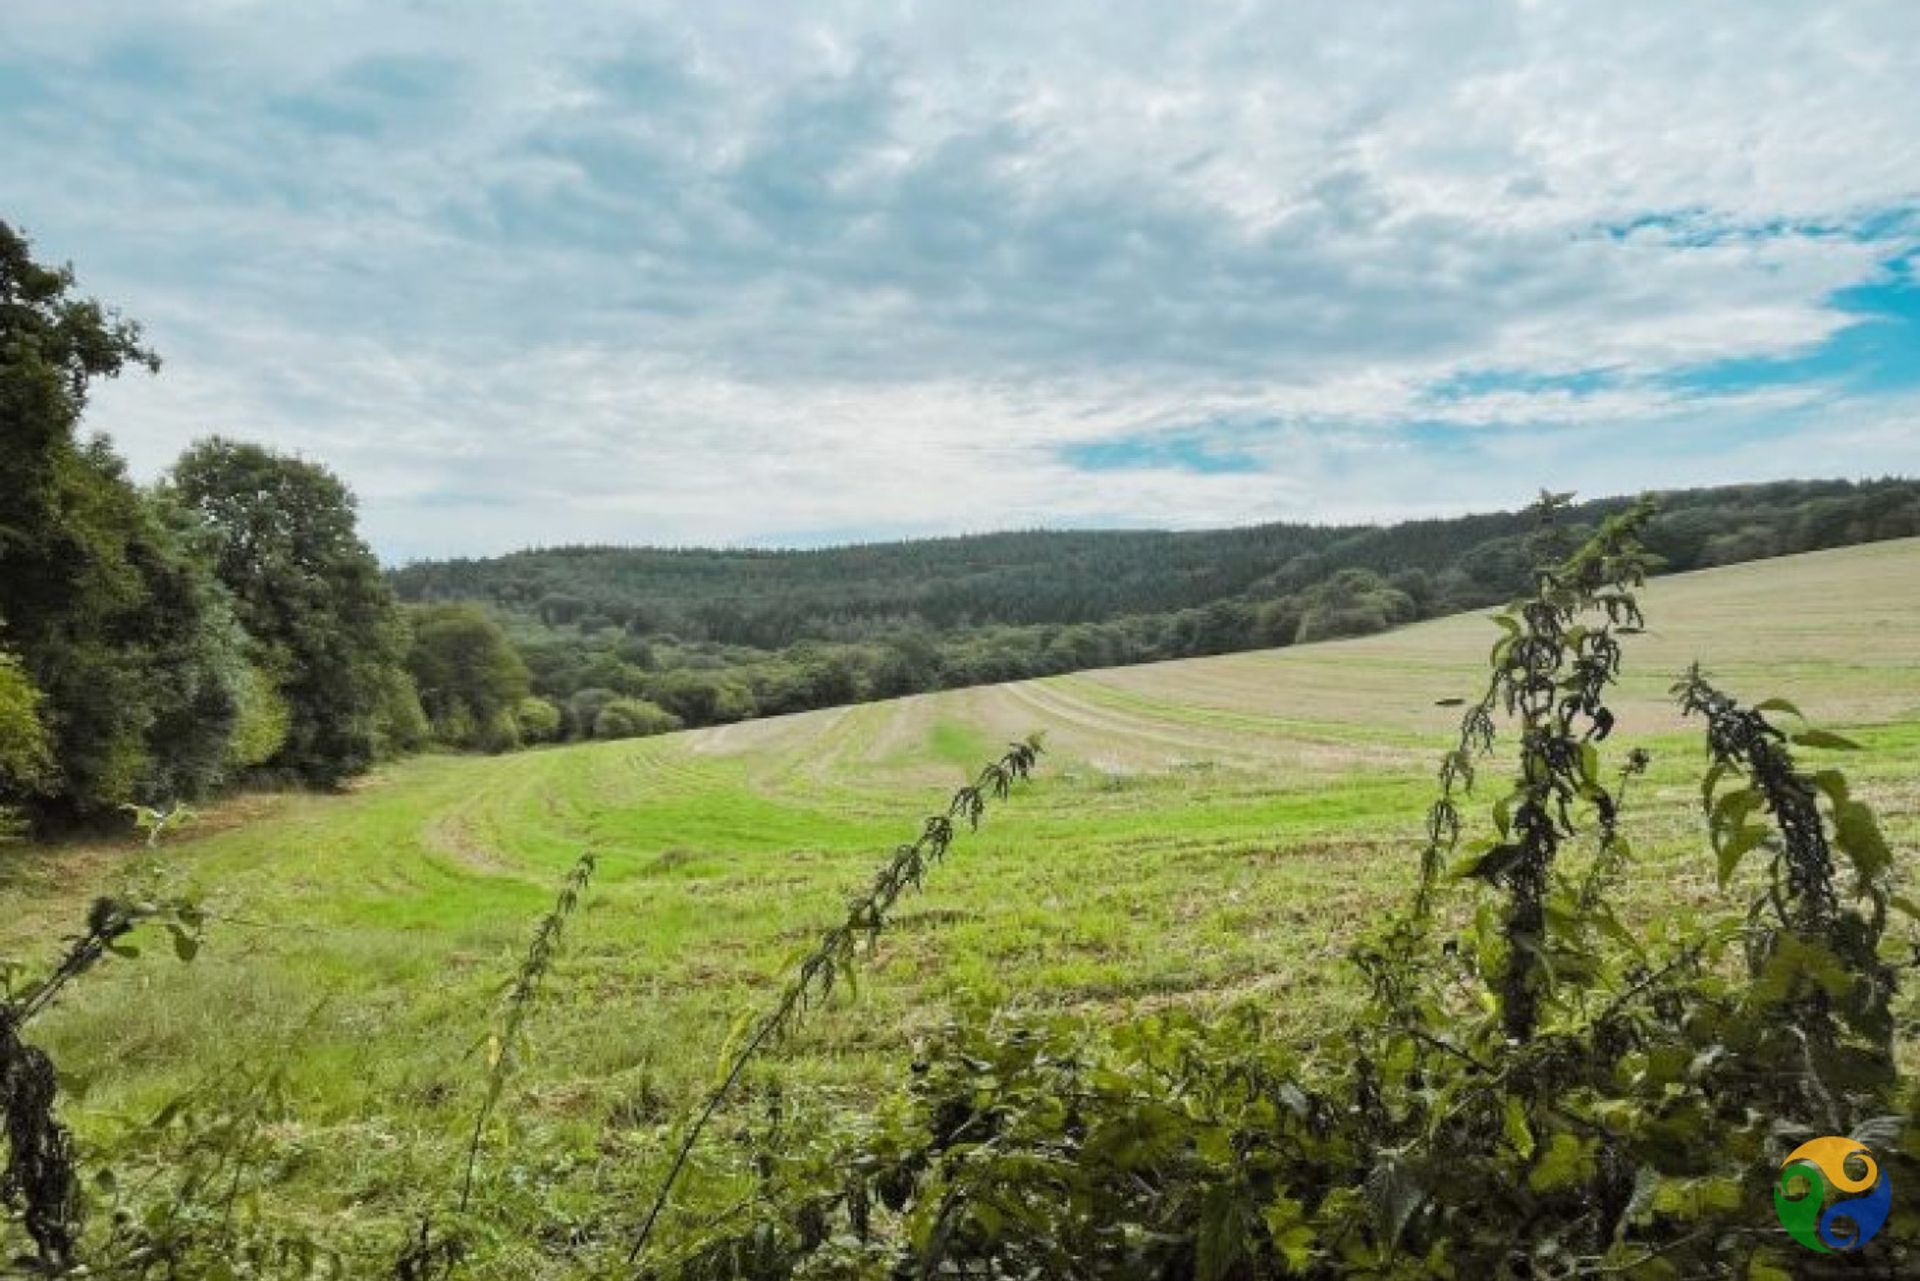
(1200, 832)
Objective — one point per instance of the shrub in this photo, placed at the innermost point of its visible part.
(633, 718)
(584, 707)
(701, 698)
(539, 720)
(1354, 602)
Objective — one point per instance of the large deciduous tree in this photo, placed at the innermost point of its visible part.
(310, 594)
(123, 634)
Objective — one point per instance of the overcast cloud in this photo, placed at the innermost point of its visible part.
(793, 273)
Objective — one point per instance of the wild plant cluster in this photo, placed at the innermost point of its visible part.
(1535, 1084)
(41, 1179)
(182, 1191)
(1532, 1089)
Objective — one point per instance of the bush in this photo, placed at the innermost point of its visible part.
(1354, 602)
(633, 718)
(700, 698)
(584, 707)
(539, 720)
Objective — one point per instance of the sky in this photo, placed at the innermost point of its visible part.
(800, 273)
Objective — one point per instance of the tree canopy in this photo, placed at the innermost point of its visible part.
(310, 595)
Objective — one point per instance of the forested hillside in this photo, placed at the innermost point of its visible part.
(771, 599)
(621, 641)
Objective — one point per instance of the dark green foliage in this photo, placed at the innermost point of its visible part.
(52, 346)
(701, 698)
(1542, 1093)
(105, 593)
(1550, 674)
(39, 1176)
(1353, 602)
(198, 680)
(309, 594)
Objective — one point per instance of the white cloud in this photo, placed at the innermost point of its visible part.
(712, 272)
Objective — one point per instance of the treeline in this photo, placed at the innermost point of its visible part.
(687, 657)
(770, 600)
(229, 623)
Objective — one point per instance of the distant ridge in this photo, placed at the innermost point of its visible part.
(773, 598)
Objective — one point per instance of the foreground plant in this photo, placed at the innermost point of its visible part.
(1541, 1092)
(41, 1179)
(836, 955)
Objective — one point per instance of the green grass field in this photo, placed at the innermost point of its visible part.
(1201, 831)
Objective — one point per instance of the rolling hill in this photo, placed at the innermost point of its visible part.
(1200, 831)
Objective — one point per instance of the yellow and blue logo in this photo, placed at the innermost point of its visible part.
(1840, 1167)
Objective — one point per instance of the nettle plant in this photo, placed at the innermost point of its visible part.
(1533, 1087)
(41, 1184)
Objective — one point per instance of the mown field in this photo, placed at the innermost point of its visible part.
(1203, 831)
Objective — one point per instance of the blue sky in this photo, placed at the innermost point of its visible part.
(769, 273)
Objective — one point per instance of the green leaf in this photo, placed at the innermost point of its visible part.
(1518, 1133)
(1223, 1233)
(1394, 1196)
(1779, 705)
(1709, 781)
(1491, 865)
(1646, 1185)
(1292, 1236)
(1296, 1246)
(1132, 1140)
(1566, 1163)
(1859, 836)
(1825, 738)
(1589, 762)
(1731, 810)
(1736, 847)
(1603, 919)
